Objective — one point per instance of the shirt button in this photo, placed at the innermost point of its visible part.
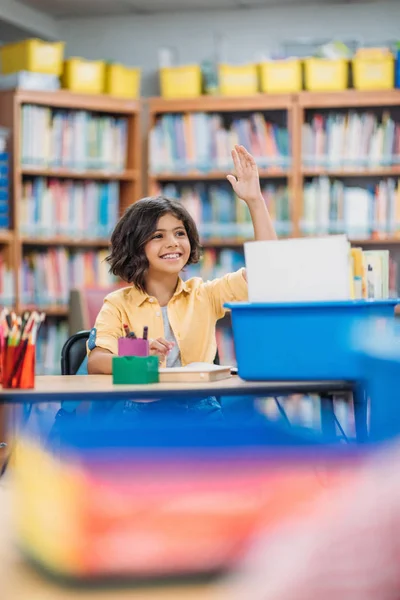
(158, 314)
(151, 299)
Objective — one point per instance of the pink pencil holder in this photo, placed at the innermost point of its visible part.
(133, 347)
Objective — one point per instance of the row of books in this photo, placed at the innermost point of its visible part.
(374, 273)
(225, 344)
(47, 276)
(358, 139)
(72, 139)
(215, 264)
(183, 142)
(53, 335)
(4, 191)
(330, 206)
(7, 283)
(220, 213)
(78, 209)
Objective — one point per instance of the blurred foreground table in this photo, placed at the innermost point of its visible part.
(20, 581)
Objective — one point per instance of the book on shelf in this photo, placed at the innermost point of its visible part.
(201, 141)
(73, 139)
(220, 213)
(370, 274)
(52, 336)
(78, 209)
(216, 263)
(4, 191)
(225, 344)
(330, 206)
(47, 276)
(7, 283)
(358, 139)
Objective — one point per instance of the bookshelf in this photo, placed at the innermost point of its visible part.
(297, 108)
(62, 181)
(128, 178)
(355, 108)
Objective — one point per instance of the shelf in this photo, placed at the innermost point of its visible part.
(130, 175)
(66, 99)
(222, 243)
(353, 172)
(6, 236)
(213, 175)
(258, 102)
(389, 241)
(64, 241)
(51, 311)
(349, 99)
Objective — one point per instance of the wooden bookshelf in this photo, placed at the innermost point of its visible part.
(278, 103)
(130, 180)
(64, 241)
(347, 99)
(213, 175)
(29, 171)
(393, 171)
(6, 236)
(296, 107)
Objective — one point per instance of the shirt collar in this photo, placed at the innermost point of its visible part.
(140, 297)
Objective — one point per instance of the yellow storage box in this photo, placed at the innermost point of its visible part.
(180, 82)
(326, 75)
(373, 69)
(32, 55)
(238, 80)
(122, 82)
(84, 76)
(281, 76)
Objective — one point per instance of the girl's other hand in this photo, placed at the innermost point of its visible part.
(160, 347)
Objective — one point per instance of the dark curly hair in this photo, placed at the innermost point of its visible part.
(127, 258)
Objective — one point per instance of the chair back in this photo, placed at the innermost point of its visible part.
(85, 305)
(74, 352)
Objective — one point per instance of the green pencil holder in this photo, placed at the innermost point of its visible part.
(135, 369)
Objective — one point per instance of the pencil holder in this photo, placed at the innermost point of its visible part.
(18, 367)
(135, 369)
(133, 347)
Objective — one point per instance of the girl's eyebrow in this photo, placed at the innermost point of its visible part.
(175, 228)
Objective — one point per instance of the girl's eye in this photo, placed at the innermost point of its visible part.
(181, 233)
(156, 236)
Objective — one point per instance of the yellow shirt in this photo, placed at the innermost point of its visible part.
(192, 311)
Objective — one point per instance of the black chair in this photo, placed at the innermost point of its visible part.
(73, 352)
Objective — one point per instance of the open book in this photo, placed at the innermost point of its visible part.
(195, 372)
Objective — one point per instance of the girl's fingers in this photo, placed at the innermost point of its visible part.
(161, 346)
(248, 159)
(236, 161)
(166, 343)
(158, 348)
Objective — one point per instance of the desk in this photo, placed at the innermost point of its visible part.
(100, 387)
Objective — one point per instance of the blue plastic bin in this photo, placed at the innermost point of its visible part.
(301, 341)
(379, 353)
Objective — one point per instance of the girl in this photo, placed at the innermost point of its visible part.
(151, 244)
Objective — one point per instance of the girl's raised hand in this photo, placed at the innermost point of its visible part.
(246, 184)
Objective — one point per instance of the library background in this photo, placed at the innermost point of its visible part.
(147, 100)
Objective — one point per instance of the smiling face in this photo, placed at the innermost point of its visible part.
(168, 249)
